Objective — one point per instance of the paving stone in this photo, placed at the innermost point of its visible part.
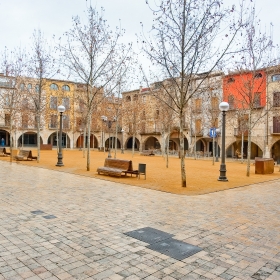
(238, 230)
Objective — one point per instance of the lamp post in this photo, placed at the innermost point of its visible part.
(217, 150)
(80, 140)
(122, 131)
(60, 109)
(109, 125)
(224, 106)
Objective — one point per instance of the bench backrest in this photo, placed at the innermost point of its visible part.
(24, 153)
(118, 163)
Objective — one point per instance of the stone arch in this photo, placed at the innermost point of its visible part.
(80, 140)
(6, 136)
(174, 141)
(28, 139)
(113, 142)
(151, 143)
(256, 151)
(275, 151)
(52, 140)
(128, 143)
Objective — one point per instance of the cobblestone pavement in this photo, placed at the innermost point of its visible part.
(238, 230)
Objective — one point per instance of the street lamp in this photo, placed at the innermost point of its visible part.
(109, 125)
(80, 140)
(217, 150)
(60, 109)
(224, 106)
(122, 131)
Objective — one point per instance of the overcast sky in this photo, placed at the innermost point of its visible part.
(20, 17)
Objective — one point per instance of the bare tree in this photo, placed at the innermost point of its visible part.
(40, 67)
(184, 44)
(13, 65)
(257, 55)
(94, 56)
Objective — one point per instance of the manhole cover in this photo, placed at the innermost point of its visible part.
(37, 212)
(149, 235)
(175, 249)
(49, 217)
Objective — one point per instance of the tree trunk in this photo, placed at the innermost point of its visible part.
(88, 143)
(167, 149)
(116, 141)
(242, 147)
(194, 146)
(84, 142)
(133, 143)
(11, 141)
(249, 146)
(38, 137)
(182, 156)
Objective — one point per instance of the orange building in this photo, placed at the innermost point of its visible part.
(244, 90)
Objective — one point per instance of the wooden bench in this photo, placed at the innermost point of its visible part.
(116, 167)
(25, 155)
(3, 152)
(147, 153)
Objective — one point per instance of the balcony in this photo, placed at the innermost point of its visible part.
(197, 110)
(197, 133)
(53, 126)
(151, 131)
(238, 132)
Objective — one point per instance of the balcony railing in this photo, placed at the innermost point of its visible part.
(238, 132)
(150, 131)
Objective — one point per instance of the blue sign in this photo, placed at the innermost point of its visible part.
(212, 132)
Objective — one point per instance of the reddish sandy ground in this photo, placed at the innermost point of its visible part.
(202, 175)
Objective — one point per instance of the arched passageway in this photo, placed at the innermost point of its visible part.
(53, 140)
(28, 139)
(6, 136)
(129, 144)
(113, 143)
(80, 141)
(151, 143)
(275, 152)
(255, 149)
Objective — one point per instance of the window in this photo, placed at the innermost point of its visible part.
(144, 98)
(276, 99)
(53, 123)
(65, 103)
(24, 121)
(157, 114)
(53, 103)
(215, 103)
(37, 88)
(66, 88)
(65, 122)
(258, 75)
(231, 102)
(22, 87)
(24, 103)
(158, 85)
(257, 100)
(54, 86)
(144, 115)
(29, 86)
(128, 98)
(197, 105)
(7, 100)
(215, 122)
(197, 126)
(81, 105)
(230, 80)
(275, 78)
(276, 124)
(243, 123)
(135, 97)
(7, 119)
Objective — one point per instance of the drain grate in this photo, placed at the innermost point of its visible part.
(163, 243)
(49, 217)
(175, 249)
(37, 212)
(149, 235)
